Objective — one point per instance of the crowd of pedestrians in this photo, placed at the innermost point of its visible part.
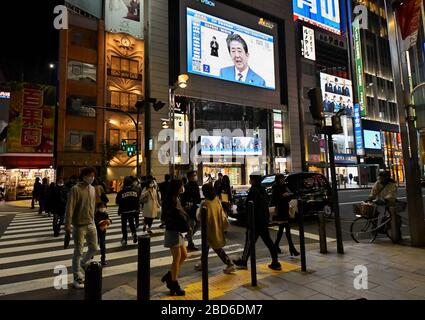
(80, 205)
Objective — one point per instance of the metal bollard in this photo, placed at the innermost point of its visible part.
(251, 234)
(395, 225)
(205, 249)
(302, 238)
(93, 282)
(144, 268)
(322, 233)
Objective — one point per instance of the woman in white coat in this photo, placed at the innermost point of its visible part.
(151, 204)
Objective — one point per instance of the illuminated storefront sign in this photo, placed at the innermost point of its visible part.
(322, 13)
(358, 134)
(359, 70)
(4, 95)
(309, 45)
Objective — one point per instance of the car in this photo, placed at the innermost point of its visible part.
(313, 188)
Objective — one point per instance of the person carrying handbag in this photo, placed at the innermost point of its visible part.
(177, 221)
(217, 224)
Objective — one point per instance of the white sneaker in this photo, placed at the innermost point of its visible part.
(229, 269)
(78, 284)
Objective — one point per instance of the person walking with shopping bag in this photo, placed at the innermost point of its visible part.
(151, 204)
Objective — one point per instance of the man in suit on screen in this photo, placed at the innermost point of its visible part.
(240, 71)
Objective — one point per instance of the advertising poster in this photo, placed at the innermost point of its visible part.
(322, 13)
(337, 94)
(359, 70)
(309, 44)
(225, 50)
(278, 126)
(4, 118)
(31, 119)
(124, 16)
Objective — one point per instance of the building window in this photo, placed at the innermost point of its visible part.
(125, 68)
(114, 137)
(81, 106)
(83, 38)
(124, 101)
(81, 71)
(81, 141)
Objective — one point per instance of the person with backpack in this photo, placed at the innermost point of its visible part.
(258, 195)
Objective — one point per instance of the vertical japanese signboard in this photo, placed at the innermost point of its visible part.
(31, 119)
(359, 69)
(309, 46)
(358, 131)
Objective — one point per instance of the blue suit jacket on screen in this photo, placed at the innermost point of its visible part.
(252, 78)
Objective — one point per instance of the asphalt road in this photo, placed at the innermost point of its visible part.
(125, 256)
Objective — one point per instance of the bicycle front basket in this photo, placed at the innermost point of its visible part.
(366, 210)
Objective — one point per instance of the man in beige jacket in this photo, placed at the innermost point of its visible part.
(80, 210)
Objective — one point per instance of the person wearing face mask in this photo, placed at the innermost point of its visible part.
(102, 223)
(151, 203)
(59, 199)
(80, 209)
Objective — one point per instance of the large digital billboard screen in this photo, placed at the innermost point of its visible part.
(337, 94)
(372, 139)
(325, 14)
(228, 51)
(216, 146)
(247, 146)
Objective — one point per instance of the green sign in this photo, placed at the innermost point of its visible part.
(359, 69)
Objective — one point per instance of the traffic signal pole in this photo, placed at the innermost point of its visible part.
(335, 199)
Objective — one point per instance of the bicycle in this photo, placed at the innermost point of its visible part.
(371, 221)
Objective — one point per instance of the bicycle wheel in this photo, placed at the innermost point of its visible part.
(363, 230)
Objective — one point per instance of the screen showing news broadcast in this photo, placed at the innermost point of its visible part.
(337, 94)
(225, 50)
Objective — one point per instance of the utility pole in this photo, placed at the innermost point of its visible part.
(408, 132)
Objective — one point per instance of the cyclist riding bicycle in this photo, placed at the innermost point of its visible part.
(384, 191)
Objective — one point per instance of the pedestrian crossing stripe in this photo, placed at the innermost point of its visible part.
(31, 268)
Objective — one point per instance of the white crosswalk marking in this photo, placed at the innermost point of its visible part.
(29, 253)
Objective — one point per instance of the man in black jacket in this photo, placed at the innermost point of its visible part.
(59, 198)
(258, 195)
(128, 208)
(191, 199)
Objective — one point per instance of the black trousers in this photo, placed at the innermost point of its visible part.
(265, 236)
(148, 222)
(127, 218)
(287, 228)
(57, 223)
(101, 238)
(195, 225)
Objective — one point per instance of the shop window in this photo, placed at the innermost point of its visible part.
(81, 71)
(125, 68)
(81, 141)
(81, 106)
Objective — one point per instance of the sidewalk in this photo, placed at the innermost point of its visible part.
(394, 272)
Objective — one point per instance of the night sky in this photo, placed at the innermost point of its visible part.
(29, 43)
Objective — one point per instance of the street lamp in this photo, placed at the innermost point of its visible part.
(182, 83)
